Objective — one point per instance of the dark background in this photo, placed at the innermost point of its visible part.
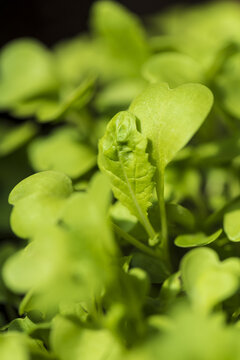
(53, 20)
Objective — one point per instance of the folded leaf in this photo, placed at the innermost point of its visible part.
(198, 239)
(123, 157)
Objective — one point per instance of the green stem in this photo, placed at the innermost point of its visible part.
(138, 244)
(163, 215)
(148, 227)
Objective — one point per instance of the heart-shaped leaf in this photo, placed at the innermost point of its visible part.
(170, 117)
(38, 201)
(208, 281)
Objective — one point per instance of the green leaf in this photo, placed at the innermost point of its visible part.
(178, 214)
(49, 183)
(173, 68)
(198, 239)
(111, 20)
(62, 151)
(70, 341)
(170, 117)
(208, 281)
(17, 346)
(122, 216)
(27, 70)
(155, 268)
(123, 157)
(12, 347)
(11, 138)
(231, 222)
(228, 85)
(118, 95)
(47, 109)
(38, 200)
(76, 98)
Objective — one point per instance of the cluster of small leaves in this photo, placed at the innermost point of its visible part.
(121, 238)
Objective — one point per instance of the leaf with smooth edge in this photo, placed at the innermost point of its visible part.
(170, 117)
(27, 69)
(51, 183)
(173, 68)
(198, 239)
(62, 151)
(231, 223)
(206, 280)
(111, 20)
(13, 138)
(37, 265)
(38, 201)
(123, 157)
(122, 216)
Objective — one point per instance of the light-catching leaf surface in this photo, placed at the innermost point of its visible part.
(38, 201)
(62, 151)
(170, 117)
(123, 157)
(208, 281)
(198, 239)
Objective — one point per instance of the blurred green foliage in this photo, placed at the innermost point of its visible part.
(140, 261)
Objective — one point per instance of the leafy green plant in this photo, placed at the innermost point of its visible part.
(120, 192)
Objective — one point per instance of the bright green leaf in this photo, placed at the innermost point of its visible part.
(170, 117)
(123, 157)
(27, 70)
(206, 280)
(231, 223)
(62, 151)
(198, 239)
(173, 68)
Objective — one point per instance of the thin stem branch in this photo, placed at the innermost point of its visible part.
(148, 227)
(138, 244)
(163, 215)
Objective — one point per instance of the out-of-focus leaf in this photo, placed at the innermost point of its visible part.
(228, 84)
(62, 151)
(70, 341)
(208, 281)
(231, 222)
(38, 200)
(118, 95)
(173, 68)
(12, 138)
(27, 70)
(110, 21)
